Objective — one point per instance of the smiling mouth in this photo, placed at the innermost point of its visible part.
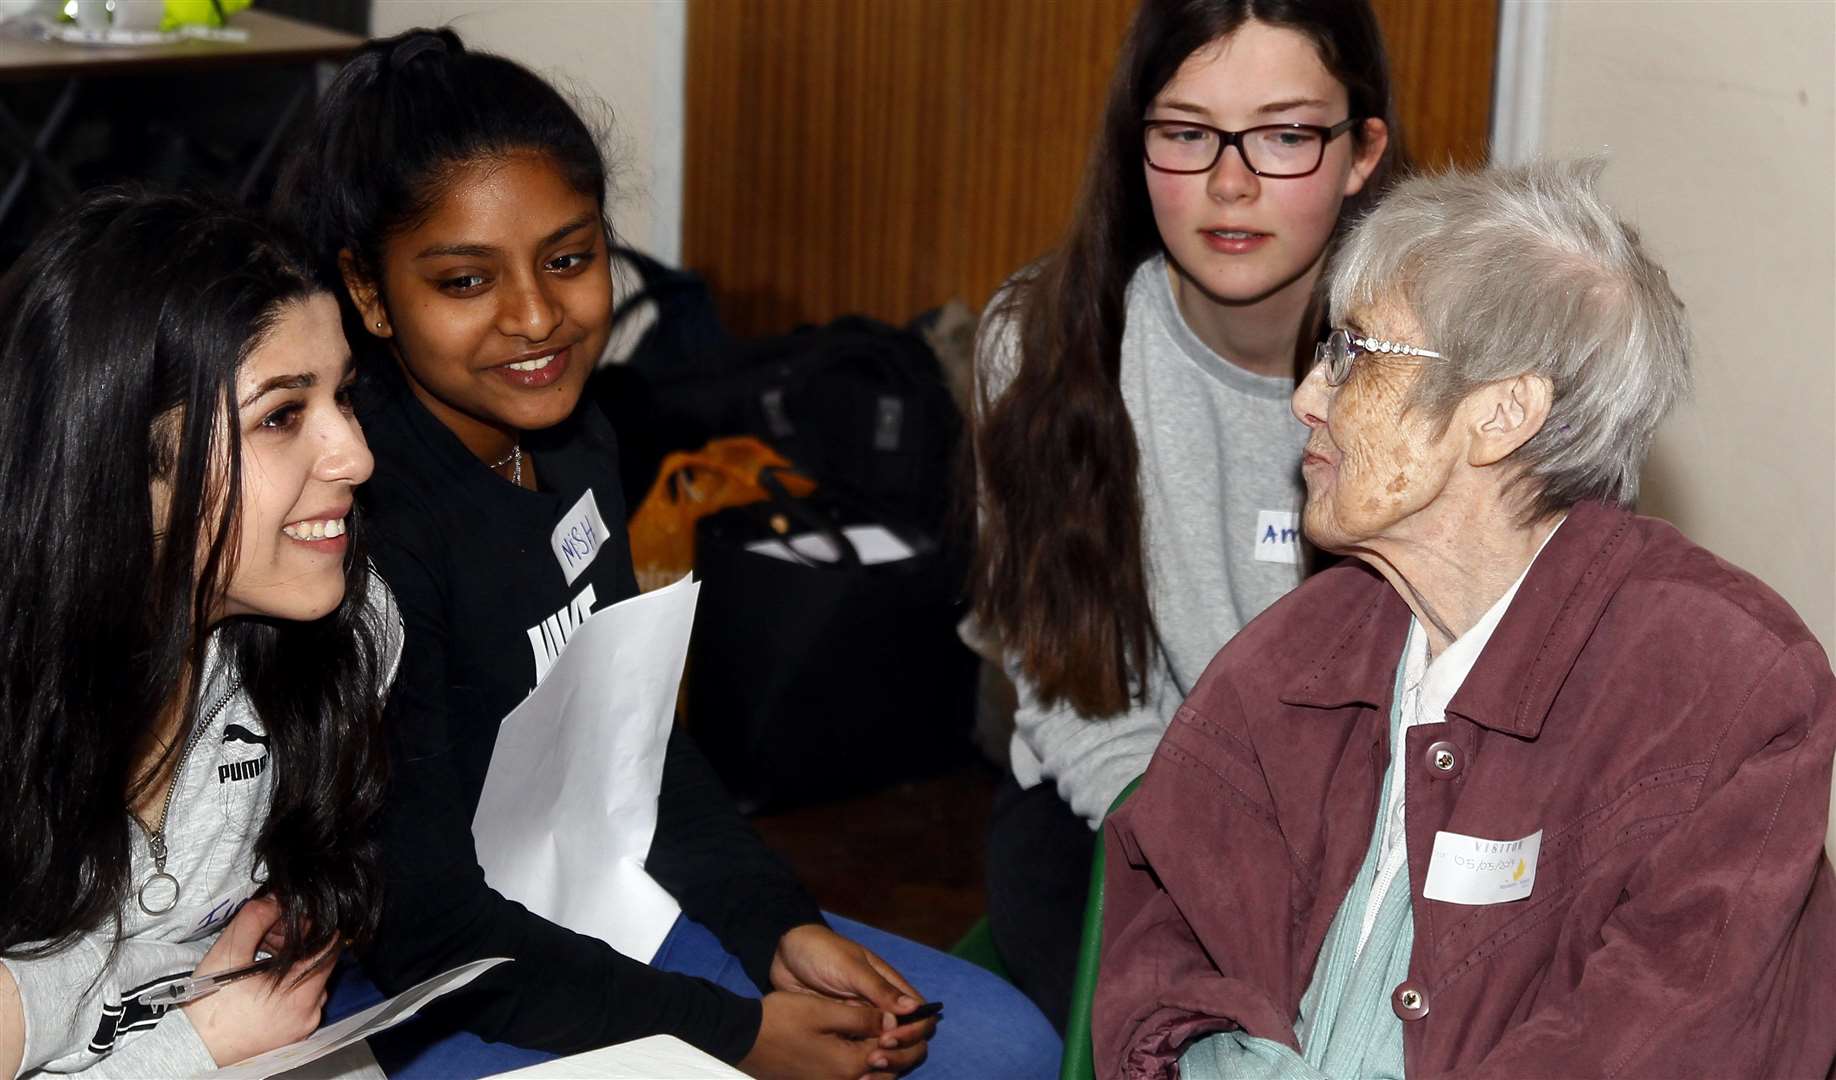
(323, 529)
(537, 364)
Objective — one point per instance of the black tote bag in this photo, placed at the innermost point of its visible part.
(811, 680)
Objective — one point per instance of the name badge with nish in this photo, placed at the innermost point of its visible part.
(577, 539)
(1471, 870)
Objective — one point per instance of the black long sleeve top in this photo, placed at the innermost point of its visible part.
(486, 603)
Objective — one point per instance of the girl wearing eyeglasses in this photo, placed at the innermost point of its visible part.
(1137, 462)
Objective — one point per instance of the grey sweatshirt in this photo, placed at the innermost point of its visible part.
(1220, 491)
(80, 1012)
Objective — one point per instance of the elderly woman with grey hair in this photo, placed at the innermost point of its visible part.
(1528, 785)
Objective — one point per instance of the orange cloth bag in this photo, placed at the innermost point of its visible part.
(691, 485)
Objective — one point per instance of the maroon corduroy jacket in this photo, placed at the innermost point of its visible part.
(1664, 718)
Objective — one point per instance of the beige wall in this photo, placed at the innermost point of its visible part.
(626, 54)
(1720, 121)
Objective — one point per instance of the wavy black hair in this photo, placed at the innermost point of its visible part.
(121, 332)
(403, 117)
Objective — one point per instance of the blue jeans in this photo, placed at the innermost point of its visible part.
(989, 1029)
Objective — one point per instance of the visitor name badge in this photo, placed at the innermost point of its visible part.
(1469, 870)
(578, 537)
(1278, 536)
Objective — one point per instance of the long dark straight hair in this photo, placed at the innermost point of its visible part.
(401, 118)
(121, 332)
(1059, 572)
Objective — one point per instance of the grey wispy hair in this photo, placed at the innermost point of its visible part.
(1526, 270)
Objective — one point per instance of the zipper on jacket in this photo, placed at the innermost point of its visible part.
(156, 836)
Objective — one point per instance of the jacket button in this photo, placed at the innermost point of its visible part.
(1444, 760)
(1410, 1000)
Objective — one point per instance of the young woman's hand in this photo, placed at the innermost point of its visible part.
(261, 1013)
(813, 959)
(808, 1037)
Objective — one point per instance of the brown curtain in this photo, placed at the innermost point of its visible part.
(884, 156)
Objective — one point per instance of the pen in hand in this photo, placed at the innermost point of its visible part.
(193, 987)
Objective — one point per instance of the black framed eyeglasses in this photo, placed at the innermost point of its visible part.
(1279, 151)
(1341, 348)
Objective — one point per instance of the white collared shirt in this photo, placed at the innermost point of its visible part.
(1426, 690)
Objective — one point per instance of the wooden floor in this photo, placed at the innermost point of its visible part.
(907, 860)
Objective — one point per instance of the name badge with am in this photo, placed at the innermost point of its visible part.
(1277, 537)
(1470, 870)
(579, 536)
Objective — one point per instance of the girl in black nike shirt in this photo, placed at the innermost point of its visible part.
(461, 203)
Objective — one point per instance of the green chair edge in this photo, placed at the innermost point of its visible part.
(1079, 1062)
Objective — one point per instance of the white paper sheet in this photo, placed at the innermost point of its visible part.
(640, 1059)
(570, 799)
(873, 543)
(333, 1037)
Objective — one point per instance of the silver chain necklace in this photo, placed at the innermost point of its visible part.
(514, 459)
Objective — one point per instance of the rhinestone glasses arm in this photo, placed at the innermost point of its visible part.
(1394, 347)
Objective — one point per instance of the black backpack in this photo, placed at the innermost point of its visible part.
(687, 346)
(857, 404)
(863, 408)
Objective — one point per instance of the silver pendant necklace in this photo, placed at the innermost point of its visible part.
(514, 459)
(160, 892)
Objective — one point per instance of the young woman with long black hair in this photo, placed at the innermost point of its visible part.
(461, 201)
(1138, 468)
(194, 653)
